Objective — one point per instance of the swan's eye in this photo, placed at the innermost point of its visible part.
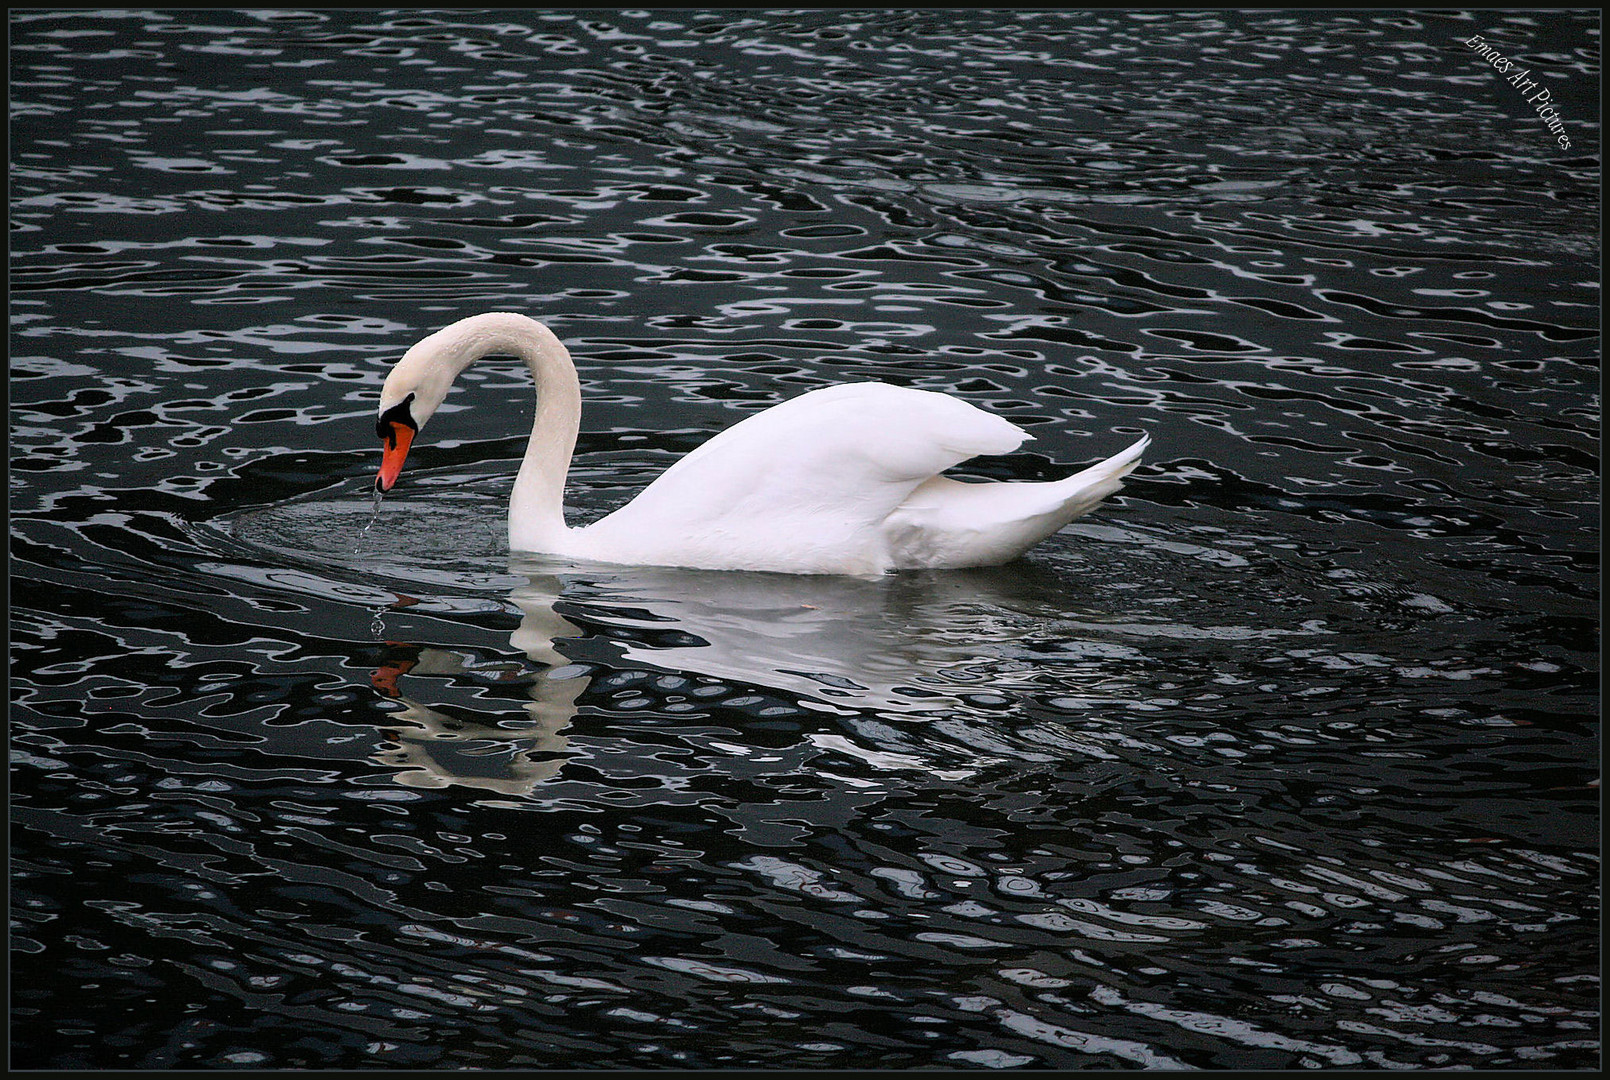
(397, 414)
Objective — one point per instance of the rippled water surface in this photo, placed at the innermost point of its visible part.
(1286, 757)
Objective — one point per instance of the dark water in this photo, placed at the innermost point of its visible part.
(1285, 758)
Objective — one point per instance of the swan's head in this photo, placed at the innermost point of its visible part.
(410, 397)
(396, 428)
(417, 385)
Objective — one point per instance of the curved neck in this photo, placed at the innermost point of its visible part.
(536, 506)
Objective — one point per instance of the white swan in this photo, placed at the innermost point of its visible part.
(840, 480)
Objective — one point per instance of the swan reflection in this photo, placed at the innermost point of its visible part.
(429, 748)
(859, 650)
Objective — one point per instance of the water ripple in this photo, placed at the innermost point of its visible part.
(1281, 761)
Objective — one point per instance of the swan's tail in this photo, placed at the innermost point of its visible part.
(945, 522)
(1084, 489)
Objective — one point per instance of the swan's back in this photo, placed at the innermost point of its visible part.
(806, 485)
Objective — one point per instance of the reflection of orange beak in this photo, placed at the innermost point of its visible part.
(386, 675)
(393, 454)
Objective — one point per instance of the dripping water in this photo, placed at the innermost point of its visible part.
(374, 515)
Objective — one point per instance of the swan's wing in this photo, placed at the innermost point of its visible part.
(947, 523)
(823, 469)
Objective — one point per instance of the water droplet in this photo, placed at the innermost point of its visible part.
(374, 515)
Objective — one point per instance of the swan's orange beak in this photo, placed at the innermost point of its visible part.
(398, 438)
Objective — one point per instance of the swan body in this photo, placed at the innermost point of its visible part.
(840, 480)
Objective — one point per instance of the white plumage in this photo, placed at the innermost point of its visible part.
(843, 480)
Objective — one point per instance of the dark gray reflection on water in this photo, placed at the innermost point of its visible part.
(1284, 759)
